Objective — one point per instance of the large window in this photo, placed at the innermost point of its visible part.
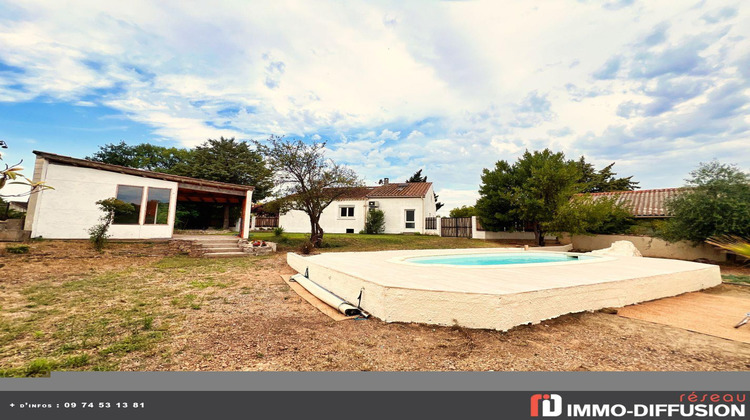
(157, 206)
(410, 219)
(132, 195)
(346, 211)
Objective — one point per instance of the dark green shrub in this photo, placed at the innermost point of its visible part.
(375, 222)
(278, 231)
(17, 249)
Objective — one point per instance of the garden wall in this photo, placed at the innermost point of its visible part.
(649, 246)
(11, 230)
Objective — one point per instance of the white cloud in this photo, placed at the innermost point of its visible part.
(470, 82)
(387, 134)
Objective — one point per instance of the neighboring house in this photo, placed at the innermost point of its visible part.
(19, 206)
(70, 209)
(405, 205)
(644, 204)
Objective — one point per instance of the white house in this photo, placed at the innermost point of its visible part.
(70, 209)
(405, 205)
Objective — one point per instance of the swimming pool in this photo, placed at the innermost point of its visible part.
(391, 286)
(504, 258)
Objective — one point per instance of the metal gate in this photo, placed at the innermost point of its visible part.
(457, 227)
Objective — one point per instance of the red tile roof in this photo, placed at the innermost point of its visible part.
(644, 203)
(395, 190)
(354, 193)
(407, 189)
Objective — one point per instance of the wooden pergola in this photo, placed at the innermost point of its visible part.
(192, 190)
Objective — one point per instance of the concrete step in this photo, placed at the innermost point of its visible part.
(219, 245)
(223, 249)
(226, 254)
(215, 241)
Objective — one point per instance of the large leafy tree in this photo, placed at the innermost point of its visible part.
(716, 202)
(306, 180)
(144, 156)
(584, 215)
(603, 179)
(463, 211)
(536, 190)
(225, 160)
(229, 160)
(417, 177)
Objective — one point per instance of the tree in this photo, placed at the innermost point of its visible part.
(144, 156)
(375, 223)
(583, 214)
(307, 181)
(417, 177)
(98, 233)
(604, 179)
(463, 211)
(716, 202)
(224, 160)
(530, 191)
(228, 160)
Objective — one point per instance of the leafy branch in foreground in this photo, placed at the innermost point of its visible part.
(733, 244)
(13, 174)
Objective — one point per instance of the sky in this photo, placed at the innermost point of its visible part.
(392, 87)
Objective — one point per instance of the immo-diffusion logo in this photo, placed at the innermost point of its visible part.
(695, 404)
(551, 405)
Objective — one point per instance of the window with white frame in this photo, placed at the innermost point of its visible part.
(133, 196)
(411, 219)
(157, 206)
(346, 211)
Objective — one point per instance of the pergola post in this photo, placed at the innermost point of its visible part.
(225, 225)
(246, 215)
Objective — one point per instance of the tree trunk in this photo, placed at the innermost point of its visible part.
(316, 234)
(319, 242)
(538, 234)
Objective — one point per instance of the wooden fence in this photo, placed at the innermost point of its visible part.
(266, 222)
(430, 223)
(458, 227)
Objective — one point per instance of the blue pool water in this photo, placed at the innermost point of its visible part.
(497, 259)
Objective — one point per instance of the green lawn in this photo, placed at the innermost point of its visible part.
(333, 242)
(736, 278)
(82, 321)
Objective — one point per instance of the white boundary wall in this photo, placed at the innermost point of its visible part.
(650, 247)
(518, 236)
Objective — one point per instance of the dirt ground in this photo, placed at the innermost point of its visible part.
(134, 307)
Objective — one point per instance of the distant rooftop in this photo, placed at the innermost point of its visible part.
(644, 203)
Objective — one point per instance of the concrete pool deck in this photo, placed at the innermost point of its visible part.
(497, 297)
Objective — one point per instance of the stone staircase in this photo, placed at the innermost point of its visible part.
(220, 247)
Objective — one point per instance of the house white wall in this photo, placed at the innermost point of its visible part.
(331, 220)
(430, 206)
(394, 209)
(69, 210)
(395, 214)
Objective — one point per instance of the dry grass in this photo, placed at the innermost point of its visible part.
(134, 307)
